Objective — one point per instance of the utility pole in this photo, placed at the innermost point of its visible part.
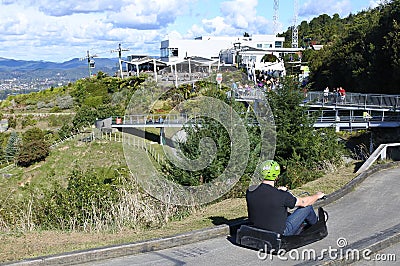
(91, 63)
(119, 50)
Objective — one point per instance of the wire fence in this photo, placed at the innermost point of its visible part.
(131, 140)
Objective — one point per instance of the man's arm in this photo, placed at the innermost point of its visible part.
(309, 200)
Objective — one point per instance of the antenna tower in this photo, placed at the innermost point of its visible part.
(295, 30)
(276, 16)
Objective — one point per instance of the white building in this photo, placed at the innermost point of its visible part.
(210, 46)
(253, 58)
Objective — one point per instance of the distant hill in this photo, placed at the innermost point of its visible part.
(22, 76)
(10, 65)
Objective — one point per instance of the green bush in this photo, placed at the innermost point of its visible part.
(65, 131)
(32, 152)
(93, 101)
(34, 148)
(12, 122)
(87, 200)
(28, 121)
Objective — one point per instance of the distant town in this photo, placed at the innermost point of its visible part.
(17, 77)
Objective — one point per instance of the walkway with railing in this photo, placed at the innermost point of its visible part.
(355, 101)
(355, 111)
(155, 120)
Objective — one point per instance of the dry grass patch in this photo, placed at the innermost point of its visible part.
(330, 181)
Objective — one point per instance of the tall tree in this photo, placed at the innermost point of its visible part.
(12, 146)
(302, 150)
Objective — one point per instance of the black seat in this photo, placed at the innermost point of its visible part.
(258, 239)
(272, 242)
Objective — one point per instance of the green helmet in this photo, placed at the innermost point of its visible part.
(270, 170)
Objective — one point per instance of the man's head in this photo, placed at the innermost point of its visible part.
(270, 170)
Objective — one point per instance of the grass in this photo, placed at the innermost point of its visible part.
(16, 246)
(58, 166)
(24, 244)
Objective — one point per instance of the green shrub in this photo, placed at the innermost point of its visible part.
(87, 200)
(28, 121)
(57, 120)
(32, 152)
(12, 122)
(34, 148)
(93, 101)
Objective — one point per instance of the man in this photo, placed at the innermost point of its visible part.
(326, 94)
(267, 205)
(342, 93)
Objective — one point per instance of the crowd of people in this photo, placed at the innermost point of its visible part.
(337, 95)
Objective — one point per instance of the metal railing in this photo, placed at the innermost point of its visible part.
(362, 101)
(156, 119)
(378, 107)
(318, 98)
(247, 94)
(169, 120)
(380, 152)
(351, 116)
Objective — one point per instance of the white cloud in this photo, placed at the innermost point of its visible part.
(62, 29)
(174, 35)
(237, 17)
(65, 8)
(375, 3)
(148, 14)
(315, 8)
(49, 29)
(195, 31)
(45, 28)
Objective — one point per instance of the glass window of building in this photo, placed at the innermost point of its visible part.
(173, 52)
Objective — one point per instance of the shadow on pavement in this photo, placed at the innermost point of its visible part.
(233, 224)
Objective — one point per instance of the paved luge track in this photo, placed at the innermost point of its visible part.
(371, 208)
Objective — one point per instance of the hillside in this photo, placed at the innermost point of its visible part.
(360, 51)
(20, 76)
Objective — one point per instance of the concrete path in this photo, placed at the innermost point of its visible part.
(387, 256)
(357, 220)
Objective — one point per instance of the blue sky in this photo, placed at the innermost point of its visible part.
(58, 31)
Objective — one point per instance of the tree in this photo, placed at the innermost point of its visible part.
(300, 149)
(32, 152)
(12, 122)
(12, 146)
(363, 55)
(34, 148)
(220, 155)
(85, 116)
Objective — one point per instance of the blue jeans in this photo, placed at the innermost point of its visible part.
(296, 219)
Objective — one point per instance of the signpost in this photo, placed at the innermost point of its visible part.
(219, 79)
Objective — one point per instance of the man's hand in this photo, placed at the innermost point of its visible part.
(309, 200)
(283, 188)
